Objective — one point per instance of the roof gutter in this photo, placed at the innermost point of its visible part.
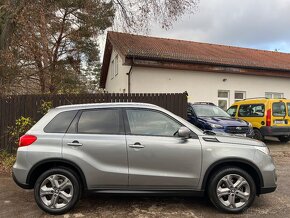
(140, 57)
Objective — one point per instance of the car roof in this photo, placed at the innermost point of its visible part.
(259, 100)
(202, 104)
(105, 105)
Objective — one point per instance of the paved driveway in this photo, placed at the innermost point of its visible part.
(16, 202)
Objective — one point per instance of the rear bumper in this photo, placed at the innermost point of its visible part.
(22, 185)
(275, 131)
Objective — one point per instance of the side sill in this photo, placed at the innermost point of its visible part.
(148, 192)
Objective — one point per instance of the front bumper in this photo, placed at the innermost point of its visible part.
(267, 190)
(267, 169)
(249, 133)
(275, 131)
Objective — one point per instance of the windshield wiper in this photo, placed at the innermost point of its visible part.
(209, 132)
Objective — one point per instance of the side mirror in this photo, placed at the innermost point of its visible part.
(184, 132)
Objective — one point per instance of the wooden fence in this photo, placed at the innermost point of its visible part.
(13, 107)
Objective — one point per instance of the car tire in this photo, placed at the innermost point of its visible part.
(57, 191)
(232, 190)
(258, 135)
(284, 139)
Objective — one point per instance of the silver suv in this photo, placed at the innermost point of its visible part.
(137, 148)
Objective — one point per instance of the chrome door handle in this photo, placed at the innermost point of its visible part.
(74, 143)
(137, 145)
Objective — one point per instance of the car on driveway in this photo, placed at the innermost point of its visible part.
(133, 148)
(269, 117)
(207, 116)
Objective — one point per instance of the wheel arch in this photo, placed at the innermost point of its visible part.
(246, 165)
(44, 165)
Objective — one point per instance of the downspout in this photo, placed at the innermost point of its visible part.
(129, 77)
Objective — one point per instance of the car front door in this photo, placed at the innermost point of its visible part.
(157, 157)
(96, 143)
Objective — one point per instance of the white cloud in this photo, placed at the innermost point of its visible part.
(263, 24)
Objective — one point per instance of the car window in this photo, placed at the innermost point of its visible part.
(279, 109)
(252, 110)
(209, 111)
(148, 122)
(60, 123)
(190, 112)
(288, 105)
(102, 121)
(232, 111)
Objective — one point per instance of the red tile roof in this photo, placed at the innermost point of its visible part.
(152, 48)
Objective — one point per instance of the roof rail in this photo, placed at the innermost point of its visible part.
(262, 98)
(256, 98)
(204, 103)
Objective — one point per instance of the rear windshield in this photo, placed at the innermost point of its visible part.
(279, 109)
(252, 110)
(60, 123)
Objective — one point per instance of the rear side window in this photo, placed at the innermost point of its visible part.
(60, 123)
(103, 121)
(279, 109)
(252, 110)
(288, 105)
(232, 111)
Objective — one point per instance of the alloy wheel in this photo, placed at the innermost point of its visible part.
(233, 191)
(56, 191)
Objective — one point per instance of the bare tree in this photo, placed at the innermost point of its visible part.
(54, 43)
(139, 15)
(50, 46)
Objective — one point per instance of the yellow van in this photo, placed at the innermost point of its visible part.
(269, 117)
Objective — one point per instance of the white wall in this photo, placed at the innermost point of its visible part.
(118, 84)
(204, 86)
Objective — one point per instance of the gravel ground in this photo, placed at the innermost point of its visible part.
(16, 202)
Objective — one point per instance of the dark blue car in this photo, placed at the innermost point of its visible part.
(208, 116)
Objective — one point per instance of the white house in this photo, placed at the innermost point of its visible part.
(208, 72)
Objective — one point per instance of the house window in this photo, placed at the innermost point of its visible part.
(274, 95)
(223, 99)
(112, 71)
(240, 95)
(114, 67)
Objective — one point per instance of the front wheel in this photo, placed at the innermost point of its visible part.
(57, 191)
(284, 139)
(232, 190)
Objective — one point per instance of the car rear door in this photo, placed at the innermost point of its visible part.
(96, 143)
(158, 158)
(279, 113)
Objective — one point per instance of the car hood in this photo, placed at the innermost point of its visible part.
(224, 121)
(233, 139)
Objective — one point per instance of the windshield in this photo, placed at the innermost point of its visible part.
(209, 111)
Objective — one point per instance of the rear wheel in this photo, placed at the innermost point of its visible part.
(232, 190)
(57, 191)
(258, 135)
(284, 139)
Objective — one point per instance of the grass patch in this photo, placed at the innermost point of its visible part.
(6, 161)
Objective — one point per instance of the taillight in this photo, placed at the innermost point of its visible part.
(268, 117)
(26, 140)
